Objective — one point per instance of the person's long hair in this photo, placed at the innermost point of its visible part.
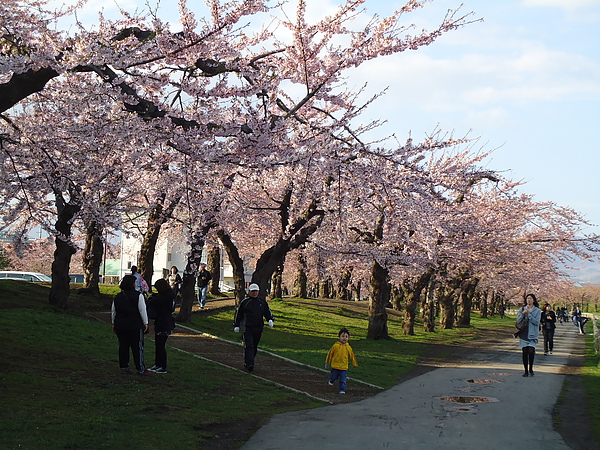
(535, 302)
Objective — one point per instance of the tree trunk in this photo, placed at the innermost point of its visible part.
(299, 290)
(267, 264)
(467, 294)
(147, 250)
(237, 265)
(412, 289)
(324, 289)
(276, 291)
(93, 254)
(429, 308)
(300, 282)
(377, 313)
(355, 288)
(298, 234)
(188, 293)
(157, 217)
(484, 304)
(213, 261)
(66, 212)
(397, 298)
(343, 293)
(446, 301)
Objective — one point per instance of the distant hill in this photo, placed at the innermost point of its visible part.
(588, 273)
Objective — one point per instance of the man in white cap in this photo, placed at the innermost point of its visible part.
(250, 316)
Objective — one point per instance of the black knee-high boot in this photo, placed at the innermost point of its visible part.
(531, 358)
(525, 358)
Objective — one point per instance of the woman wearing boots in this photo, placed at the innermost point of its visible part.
(530, 315)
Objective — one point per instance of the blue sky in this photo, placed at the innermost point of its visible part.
(525, 80)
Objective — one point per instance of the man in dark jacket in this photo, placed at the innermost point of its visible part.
(249, 316)
(204, 278)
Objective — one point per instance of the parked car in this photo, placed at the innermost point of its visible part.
(25, 276)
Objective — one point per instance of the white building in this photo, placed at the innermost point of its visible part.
(170, 252)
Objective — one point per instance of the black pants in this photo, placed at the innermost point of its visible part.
(251, 340)
(160, 353)
(134, 340)
(548, 339)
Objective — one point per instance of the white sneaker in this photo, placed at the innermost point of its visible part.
(330, 383)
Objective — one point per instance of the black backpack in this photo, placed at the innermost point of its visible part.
(151, 307)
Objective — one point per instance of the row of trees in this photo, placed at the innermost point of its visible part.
(239, 128)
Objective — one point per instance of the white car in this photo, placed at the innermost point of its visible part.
(25, 276)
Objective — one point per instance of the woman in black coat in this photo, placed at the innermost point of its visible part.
(164, 323)
(130, 322)
(548, 322)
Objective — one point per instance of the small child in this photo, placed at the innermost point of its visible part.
(338, 357)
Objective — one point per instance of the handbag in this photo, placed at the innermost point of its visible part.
(521, 322)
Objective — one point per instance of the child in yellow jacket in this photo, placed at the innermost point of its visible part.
(338, 358)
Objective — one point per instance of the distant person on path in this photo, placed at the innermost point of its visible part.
(204, 278)
(576, 314)
(338, 357)
(249, 316)
(174, 280)
(580, 320)
(164, 323)
(548, 321)
(565, 312)
(559, 315)
(130, 322)
(529, 316)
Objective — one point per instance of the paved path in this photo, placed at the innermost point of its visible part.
(481, 403)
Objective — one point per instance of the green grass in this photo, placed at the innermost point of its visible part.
(61, 388)
(591, 380)
(304, 332)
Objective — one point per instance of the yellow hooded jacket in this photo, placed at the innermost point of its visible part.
(338, 356)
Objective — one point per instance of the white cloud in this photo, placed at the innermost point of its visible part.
(577, 11)
(562, 4)
(489, 118)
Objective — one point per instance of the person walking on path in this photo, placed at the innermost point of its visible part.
(579, 320)
(164, 323)
(249, 316)
(130, 322)
(528, 318)
(548, 321)
(175, 280)
(338, 357)
(204, 278)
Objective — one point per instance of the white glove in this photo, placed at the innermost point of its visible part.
(271, 323)
(236, 329)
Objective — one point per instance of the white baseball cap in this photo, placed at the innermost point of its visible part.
(253, 287)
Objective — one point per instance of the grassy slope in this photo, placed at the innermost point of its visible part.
(61, 388)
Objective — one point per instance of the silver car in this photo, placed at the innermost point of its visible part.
(25, 276)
